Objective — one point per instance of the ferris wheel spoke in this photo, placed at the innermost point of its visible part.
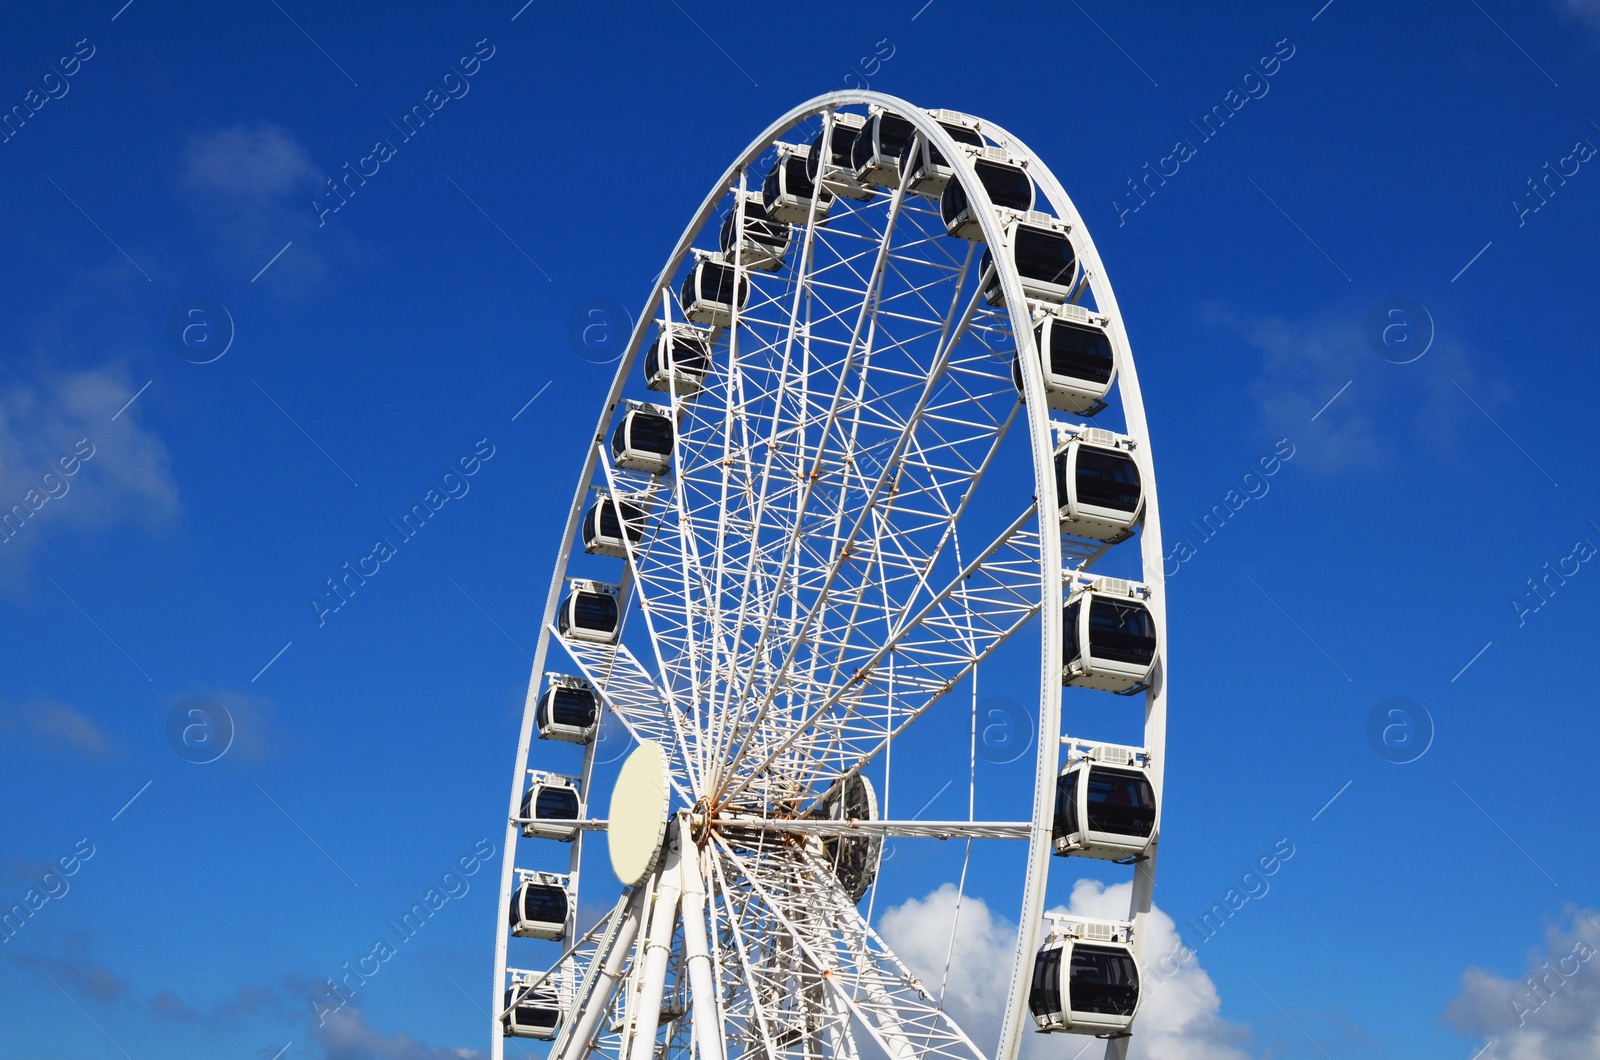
(855, 965)
(932, 650)
(953, 324)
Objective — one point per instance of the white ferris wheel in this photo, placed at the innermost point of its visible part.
(803, 525)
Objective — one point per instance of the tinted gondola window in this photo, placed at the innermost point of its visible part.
(1069, 623)
(595, 611)
(758, 228)
(1066, 822)
(1120, 801)
(1044, 995)
(1045, 256)
(1107, 478)
(650, 433)
(1104, 980)
(573, 706)
(840, 146)
(556, 804)
(1010, 188)
(540, 903)
(1079, 352)
(1121, 631)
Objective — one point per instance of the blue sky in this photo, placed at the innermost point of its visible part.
(377, 346)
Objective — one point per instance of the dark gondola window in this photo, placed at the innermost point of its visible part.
(1105, 478)
(571, 706)
(712, 281)
(643, 431)
(690, 356)
(935, 157)
(1044, 995)
(1121, 631)
(1103, 980)
(613, 519)
(1121, 801)
(893, 133)
(795, 181)
(1045, 256)
(1069, 622)
(1079, 352)
(536, 1010)
(840, 146)
(758, 228)
(555, 804)
(596, 611)
(1010, 188)
(1066, 822)
(540, 903)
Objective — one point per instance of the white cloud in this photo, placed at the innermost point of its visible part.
(1179, 1019)
(120, 472)
(347, 1036)
(249, 165)
(1584, 12)
(57, 723)
(1552, 1012)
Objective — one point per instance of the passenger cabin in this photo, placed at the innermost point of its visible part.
(855, 859)
(1085, 979)
(1109, 637)
(679, 359)
(1098, 485)
(836, 173)
(1074, 349)
(713, 291)
(590, 613)
(1105, 804)
(1040, 247)
(760, 242)
(1008, 185)
(928, 171)
(643, 439)
(532, 1011)
(612, 526)
(550, 806)
(540, 906)
(875, 155)
(789, 194)
(568, 710)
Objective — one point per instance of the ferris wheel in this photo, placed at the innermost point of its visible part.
(804, 532)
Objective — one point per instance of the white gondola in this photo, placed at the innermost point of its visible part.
(762, 241)
(855, 859)
(1109, 636)
(875, 156)
(1085, 979)
(540, 905)
(679, 359)
(1003, 177)
(568, 710)
(1075, 352)
(929, 171)
(837, 176)
(612, 526)
(788, 190)
(532, 1011)
(713, 289)
(1097, 483)
(1046, 260)
(643, 439)
(550, 806)
(590, 613)
(1105, 804)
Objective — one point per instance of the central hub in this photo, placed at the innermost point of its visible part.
(637, 822)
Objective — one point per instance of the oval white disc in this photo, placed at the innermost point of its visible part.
(638, 817)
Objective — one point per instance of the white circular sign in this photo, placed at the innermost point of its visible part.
(638, 817)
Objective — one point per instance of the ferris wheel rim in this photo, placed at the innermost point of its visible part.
(1040, 444)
